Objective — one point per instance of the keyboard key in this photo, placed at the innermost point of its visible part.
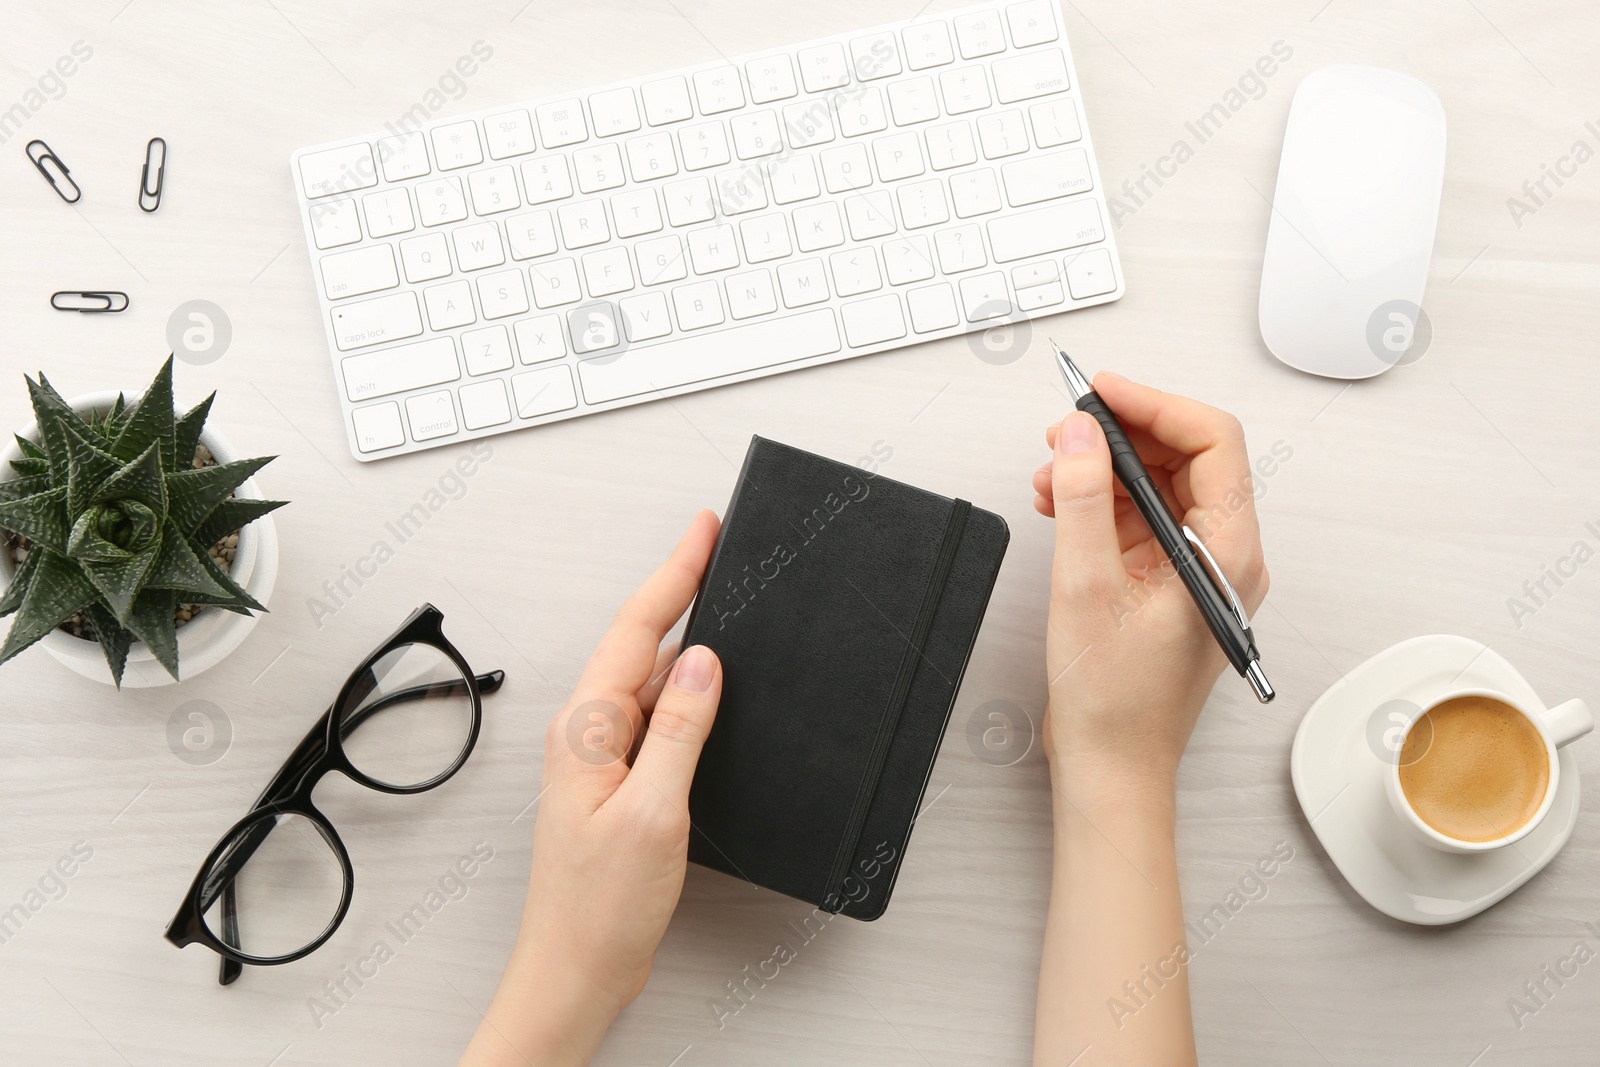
(965, 89)
(378, 427)
(1047, 229)
(756, 134)
(440, 200)
(824, 67)
(1002, 134)
(405, 156)
(1032, 23)
(908, 259)
(818, 226)
(713, 249)
(933, 307)
(509, 134)
(960, 248)
(531, 234)
(951, 145)
(698, 305)
(765, 237)
(614, 111)
(718, 89)
(705, 144)
(431, 415)
(450, 305)
(555, 282)
(661, 260)
(338, 170)
(803, 282)
(636, 211)
(984, 297)
(845, 168)
(876, 56)
(751, 294)
(456, 145)
(913, 100)
(397, 370)
(861, 112)
(334, 222)
(502, 294)
(771, 78)
(1054, 122)
(755, 345)
(484, 404)
(855, 271)
(361, 270)
(1029, 75)
(651, 156)
(543, 392)
(561, 123)
(493, 190)
(594, 327)
(927, 45)
(540, 338)
(869, 214)
(898, 155)
(546, 179)
(975, 192)
(478, 246)
(388, 212)
(583, 224)
(923, 204)
(487, 350)
(689, 201)
(666, 101)
(1029, 274)
(741, 189)
(1091, 274)
(372, 322)
(792, 179)
(598, 168)
(645, 317)
(978, 34)
(870, 322)
(425, 258)
(607, 271)
(1035, 297)
(1047, 176)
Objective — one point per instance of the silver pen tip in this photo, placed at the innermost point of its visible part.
(1258, 681)
(1069, 370)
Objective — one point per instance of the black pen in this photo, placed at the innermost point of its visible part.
(1219, 605)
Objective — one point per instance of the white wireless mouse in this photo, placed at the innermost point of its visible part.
(1353, 219)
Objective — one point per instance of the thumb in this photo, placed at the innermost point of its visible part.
(1087, 551)
(679, 725)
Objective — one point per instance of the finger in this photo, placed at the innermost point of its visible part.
(623, 661)
(1087, 555)
(678, 728)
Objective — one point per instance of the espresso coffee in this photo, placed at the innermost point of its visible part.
(1474, 769)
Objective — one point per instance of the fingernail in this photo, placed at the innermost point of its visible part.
(694, 669)
(1077, 433)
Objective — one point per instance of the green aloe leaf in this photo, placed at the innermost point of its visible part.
(17, 488)
(114, 639)
(191, 494)
(230, 515)
(29, 448)
(58, 590)
(141, 480)
(17, 588)
(29, 467)
(119, 583)
(41, 518)
(154, 623)
(188, 430)
(236, 599)
(178, 569)
(87, 468)
(51, 411)
(114, 532)
(149, 421)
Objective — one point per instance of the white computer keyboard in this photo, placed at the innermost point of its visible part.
(533, 263)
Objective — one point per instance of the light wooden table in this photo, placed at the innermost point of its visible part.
(1416, 503)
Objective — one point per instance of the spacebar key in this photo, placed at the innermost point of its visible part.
(706, 356)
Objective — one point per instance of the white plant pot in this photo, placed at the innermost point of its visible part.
(210, 636)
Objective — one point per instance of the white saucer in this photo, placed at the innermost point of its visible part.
(1339, 778)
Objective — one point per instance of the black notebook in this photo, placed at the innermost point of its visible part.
(844, 606)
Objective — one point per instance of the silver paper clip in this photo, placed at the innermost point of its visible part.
(39, 154)
(150, 198)
(90, 302)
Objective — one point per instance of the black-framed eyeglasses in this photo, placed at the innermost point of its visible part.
(278, 884)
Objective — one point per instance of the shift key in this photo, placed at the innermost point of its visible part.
(1046, 229)
(372, 322)
(396, 370)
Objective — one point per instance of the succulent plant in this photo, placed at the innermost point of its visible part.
(119, 522)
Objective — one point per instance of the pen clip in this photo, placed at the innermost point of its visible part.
(1220, 578)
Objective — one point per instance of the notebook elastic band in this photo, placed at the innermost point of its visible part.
(890, 720)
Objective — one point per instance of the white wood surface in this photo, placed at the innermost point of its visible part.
(1415, 503)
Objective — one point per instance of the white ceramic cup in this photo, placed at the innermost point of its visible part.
(1557, 726)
